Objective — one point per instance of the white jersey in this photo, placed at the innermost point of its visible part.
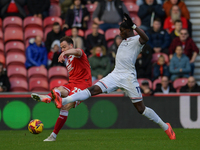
(127, 54)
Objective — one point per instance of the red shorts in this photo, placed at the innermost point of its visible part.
(74, 88)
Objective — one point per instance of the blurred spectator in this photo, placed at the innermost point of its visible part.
(188, 45)
(4, 81)
(169, 3)
(141, 2)
(39, 8)
(147, 12)
(100, 63)
(113, 50)
(94, 39)
(109, 13)
(160, 68)
(177, 28)
(179, 64)
(54, 54)
(145, 89)
(77, 16)
(54, 34)
(165, 87)
(64, 5)
(12, 8)
(191, 86)
(143, 63)
(78, 41)
(159, 39)
(175, 15)
(36, 54)
(90, 1)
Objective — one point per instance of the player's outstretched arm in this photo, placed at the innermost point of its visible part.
(76, 52)
(143, 37)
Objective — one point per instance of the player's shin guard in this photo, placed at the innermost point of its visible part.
(151, 115)
(80, 96)
(60, 121)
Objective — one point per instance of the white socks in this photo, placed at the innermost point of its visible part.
(80, 96)
(151, 115)
(54, 135)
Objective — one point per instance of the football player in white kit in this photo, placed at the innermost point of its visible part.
(123, 76)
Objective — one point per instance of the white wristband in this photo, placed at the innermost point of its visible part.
(134, 27)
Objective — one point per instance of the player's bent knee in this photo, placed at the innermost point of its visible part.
(64, 92)
(68, 106)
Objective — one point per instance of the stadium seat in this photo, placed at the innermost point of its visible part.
(131, 7)
(15, 46)
(57, 82)
(58, 72)
(38, 85)
(69, 32)
(33, 22)
(136, 19)
(32, 32)
(155, 57)
(111, 33)
(2, 59)
(0, 23)
(1, 35)
(48, 21)
(37, 72)
(91, 8)
(89, 31)
(54, 1)
(13, 34)
(54, 10)
(15, 59)
(142, 79)
(15, 71)
(1, 48)
(18, 85)
(178, 83)
(12, 21)
(155, 82)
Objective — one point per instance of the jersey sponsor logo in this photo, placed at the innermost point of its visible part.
(124, 44)
(69, 64)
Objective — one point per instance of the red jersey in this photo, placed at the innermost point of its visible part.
(78, 68)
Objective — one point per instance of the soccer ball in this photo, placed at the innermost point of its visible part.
(35, 126)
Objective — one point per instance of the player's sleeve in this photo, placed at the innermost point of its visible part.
(82, 53)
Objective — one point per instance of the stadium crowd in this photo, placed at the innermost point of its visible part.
(30, 32)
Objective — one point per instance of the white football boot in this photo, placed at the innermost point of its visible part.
(50, 139)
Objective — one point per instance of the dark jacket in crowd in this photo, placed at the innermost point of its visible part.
(4, 82)
(70, 16)
(195, 89)
(145, 12)
(55, 60)
(159, 70)
(52, 36)
(143, 64)
(158, 39)
(38, 6)
(93, 41)
(159, 89)
(19, 3)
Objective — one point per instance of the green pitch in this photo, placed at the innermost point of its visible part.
(102, 139)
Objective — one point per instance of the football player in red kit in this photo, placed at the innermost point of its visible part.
(79, 79)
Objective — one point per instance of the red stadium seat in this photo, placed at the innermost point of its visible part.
(16, 71)
(0, 23)
(155, 82)
(38, 85)
(69, 32)
(48, 21)
(1, 48)
(13, 34)
(57, 82)
(54, 1)
(37, 72)
(32, 32)
(91, 8)
(131, 7)
(89, 31)
(55, 10)
(1, 35)
(18, 85)
(155, 57)
(142, 79)
(33, 22)
(136, 19)
(58, 72)
(12, 21)
(178, 83)
(111, 33)
(15, 46)
(2, 59)
(15, 59)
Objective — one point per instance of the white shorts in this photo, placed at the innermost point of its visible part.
(127, 82)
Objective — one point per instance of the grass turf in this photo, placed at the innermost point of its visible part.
(112, 139)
